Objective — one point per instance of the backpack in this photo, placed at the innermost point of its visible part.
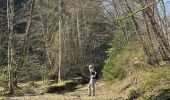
(97, 75)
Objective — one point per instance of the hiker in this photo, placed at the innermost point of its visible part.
(91, 85)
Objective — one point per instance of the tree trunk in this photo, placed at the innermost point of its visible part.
(10, 16)
(24, 48)
(60, 41)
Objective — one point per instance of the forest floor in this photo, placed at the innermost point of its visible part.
(141, 85)
(103, 92)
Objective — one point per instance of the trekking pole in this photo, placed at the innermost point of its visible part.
(85, 76)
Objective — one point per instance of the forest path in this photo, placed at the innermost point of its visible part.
(118, 90)
(102, 93)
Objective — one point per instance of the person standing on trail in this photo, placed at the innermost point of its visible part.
(91, 85)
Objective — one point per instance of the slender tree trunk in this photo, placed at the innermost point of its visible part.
(78, 26)
(47, 51)
(10, 16)
(134, 21)
(60, 41)
(160, 38)
(79, 36)
(24, 48)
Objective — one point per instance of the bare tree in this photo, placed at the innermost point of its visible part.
(10, 16)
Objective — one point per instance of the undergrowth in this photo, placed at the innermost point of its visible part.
(156, 83)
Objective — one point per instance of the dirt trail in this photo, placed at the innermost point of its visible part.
(102, 93)
(116, 91)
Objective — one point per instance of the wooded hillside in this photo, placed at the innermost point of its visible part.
(43, 40)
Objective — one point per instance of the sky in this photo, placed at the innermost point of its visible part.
(167, 4)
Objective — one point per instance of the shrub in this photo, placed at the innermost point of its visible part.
(118, 63)
(3, 78)
(134, 94)
(123, 57)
